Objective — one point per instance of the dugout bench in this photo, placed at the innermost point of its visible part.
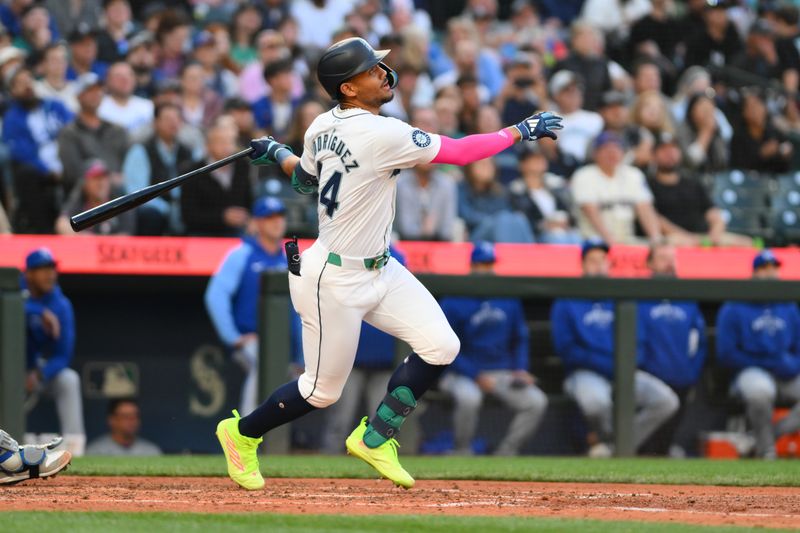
(274, 321)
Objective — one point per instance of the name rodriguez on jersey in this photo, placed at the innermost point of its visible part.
(336, 145)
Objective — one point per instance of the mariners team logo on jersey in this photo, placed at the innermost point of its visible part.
(420, 138)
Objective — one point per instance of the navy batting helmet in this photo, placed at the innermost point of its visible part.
(349, 57)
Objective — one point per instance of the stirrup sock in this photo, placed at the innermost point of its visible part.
(284, 405)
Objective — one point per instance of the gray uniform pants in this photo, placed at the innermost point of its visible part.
(65, 389)
(362, 383)
(656, 402)
(528, 402)
(247, 358)
(759, 390)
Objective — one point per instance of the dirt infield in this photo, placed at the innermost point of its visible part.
(752, 506)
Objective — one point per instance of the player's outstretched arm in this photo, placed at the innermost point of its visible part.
(268, 151)
(476, 147)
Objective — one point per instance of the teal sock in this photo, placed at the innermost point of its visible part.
(372, 438)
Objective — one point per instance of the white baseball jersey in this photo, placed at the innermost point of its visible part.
(356, 156)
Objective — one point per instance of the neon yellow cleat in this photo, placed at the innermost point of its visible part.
(383, 458)
(240, 453)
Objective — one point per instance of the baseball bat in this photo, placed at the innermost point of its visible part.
(112, 208)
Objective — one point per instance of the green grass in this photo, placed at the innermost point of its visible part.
(43, 522)
(668, 471)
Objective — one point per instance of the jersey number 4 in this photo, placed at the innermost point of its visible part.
(327, 196)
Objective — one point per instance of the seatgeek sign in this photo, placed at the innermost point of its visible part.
(196, 256)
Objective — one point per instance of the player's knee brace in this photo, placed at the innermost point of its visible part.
(395, 407)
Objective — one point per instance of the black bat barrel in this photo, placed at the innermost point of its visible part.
(110, 209)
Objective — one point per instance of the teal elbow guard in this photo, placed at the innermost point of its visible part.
(307, 185)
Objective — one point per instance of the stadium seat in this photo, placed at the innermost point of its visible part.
(787, 195)
(746, 221)
(740, 198)
(740, 190)
(786, 223)
(740, 179)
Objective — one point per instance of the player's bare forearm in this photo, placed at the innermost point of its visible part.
(592, 212)
(648, 218)
(514, 132)
(289, 163)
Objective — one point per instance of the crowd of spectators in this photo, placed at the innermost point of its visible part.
(101, 97)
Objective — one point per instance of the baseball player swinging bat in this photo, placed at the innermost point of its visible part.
(110, 209)
(349, 163)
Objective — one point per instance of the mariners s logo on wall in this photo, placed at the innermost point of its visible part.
(420, 138)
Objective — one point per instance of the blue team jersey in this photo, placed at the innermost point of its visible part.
(671, 341)
(493, 334)
(49, 354)
(583, 334)
(765, 335)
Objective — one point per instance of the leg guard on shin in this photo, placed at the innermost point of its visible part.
(7, 443)
(392, 412)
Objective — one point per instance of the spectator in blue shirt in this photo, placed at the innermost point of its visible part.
(583, 337)
(83, 52)
(274, 113)
(494, 359)
(30, 130)
(232, 294)
(761, 342)
(368, 380)
(672, 346)
(50, 327)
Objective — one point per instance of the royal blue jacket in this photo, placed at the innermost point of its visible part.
(376, 348)
(31, 133)
(264, 115)
(583, 335)
(764, 335)
(493, 334)
(50, 355)
(672, 341)
(232, 294)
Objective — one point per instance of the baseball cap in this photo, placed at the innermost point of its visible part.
(593, 244)
(483, 252)
(610, 98)
(80, 32)
(95, 169)
(142, 38)
(87, 81)
(766, 257)
(605, 138)
(41, 257)
(266, 206)
(666, 138)
(10, 53)
(237, 103)
(204, 38)
(561, 80)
